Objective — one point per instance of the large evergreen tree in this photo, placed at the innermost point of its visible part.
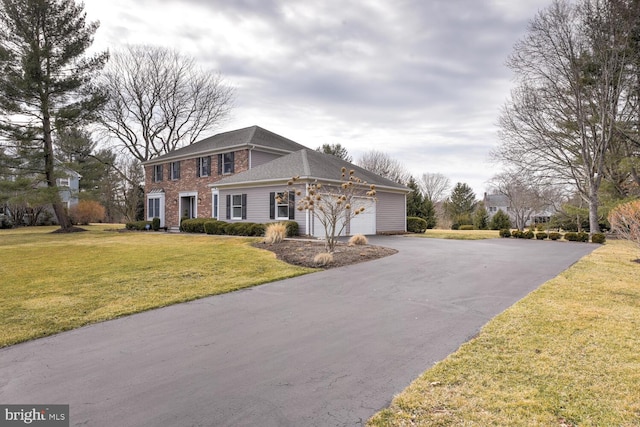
(45, 78)
(460, 205)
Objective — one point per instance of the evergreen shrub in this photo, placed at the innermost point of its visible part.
(416, 225)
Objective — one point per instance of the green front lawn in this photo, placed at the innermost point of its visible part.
(566, 355)
(55, 282)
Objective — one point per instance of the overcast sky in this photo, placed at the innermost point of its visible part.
(422, 80)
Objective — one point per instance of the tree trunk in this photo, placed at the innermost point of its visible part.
(594, 226)
(58, 209)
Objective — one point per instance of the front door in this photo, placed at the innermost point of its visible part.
(188, 208)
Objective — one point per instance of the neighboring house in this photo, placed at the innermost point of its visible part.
(235, 176)
(495, 202)
(69, 187)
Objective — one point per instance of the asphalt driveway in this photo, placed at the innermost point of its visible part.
(326, 349)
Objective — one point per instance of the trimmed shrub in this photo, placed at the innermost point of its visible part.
(466, 227)
(598, 238)
(193, 225)
(541, 235)
(214, 226)
(155, 224)
(416, 225)
(528, 234)
(257, 229)
(87, 211)
(518, 234)
(583, 236)
(571, 236)
(358, 239)
(275, 232)
(323, 258)
(138, 225)
(555, 236)
(455, 226)
(5, 223)
(292, 228)
(505, 232)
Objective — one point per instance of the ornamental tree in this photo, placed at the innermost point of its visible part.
(333, 206)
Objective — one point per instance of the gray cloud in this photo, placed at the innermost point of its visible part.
(422, 80)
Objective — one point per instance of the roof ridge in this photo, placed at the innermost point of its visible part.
(305, 162)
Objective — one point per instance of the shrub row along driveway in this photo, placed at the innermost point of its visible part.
(326, 349)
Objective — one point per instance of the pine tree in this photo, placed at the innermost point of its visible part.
(45, 78)
(460, 205)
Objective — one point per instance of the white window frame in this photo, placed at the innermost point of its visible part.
(227, 164)
(157, 177)
(173, 176)
(204, 171)
(64, 182)
(234, 206)
(284, 203)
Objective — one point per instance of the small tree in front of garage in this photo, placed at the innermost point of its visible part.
(333, 206)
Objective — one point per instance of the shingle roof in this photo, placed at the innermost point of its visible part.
(251, 136)
(307, 164)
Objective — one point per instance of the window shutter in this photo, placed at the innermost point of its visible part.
(272, 205)
(198, 167)
(292, 205)
(177, 170)
(219, 164)
(228, 206)
(208, 165)
(233, 163)
(244, 206)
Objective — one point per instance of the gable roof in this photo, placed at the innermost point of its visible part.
(308, 165)
(250, 137)
(496, 200)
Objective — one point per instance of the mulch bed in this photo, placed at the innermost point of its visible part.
(301, 252)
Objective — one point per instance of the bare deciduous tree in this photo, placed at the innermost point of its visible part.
(434, 186)
(526, 196)
(384, 165)
(570, 96)
(160, 100)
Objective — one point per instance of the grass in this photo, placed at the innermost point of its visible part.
(566, 355)
(55, 282)
(459, 234)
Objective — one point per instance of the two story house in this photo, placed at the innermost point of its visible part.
(237, 175)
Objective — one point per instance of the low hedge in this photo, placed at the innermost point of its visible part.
(193, 225)
(212, 226)
(416, 225)
(505, 232)
(465, 227)
(598, 238)
(541, 235)
(555, 236)
(138, 225)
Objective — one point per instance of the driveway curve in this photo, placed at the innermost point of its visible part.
(325, 349)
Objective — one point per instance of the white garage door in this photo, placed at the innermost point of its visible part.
(365, 222)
